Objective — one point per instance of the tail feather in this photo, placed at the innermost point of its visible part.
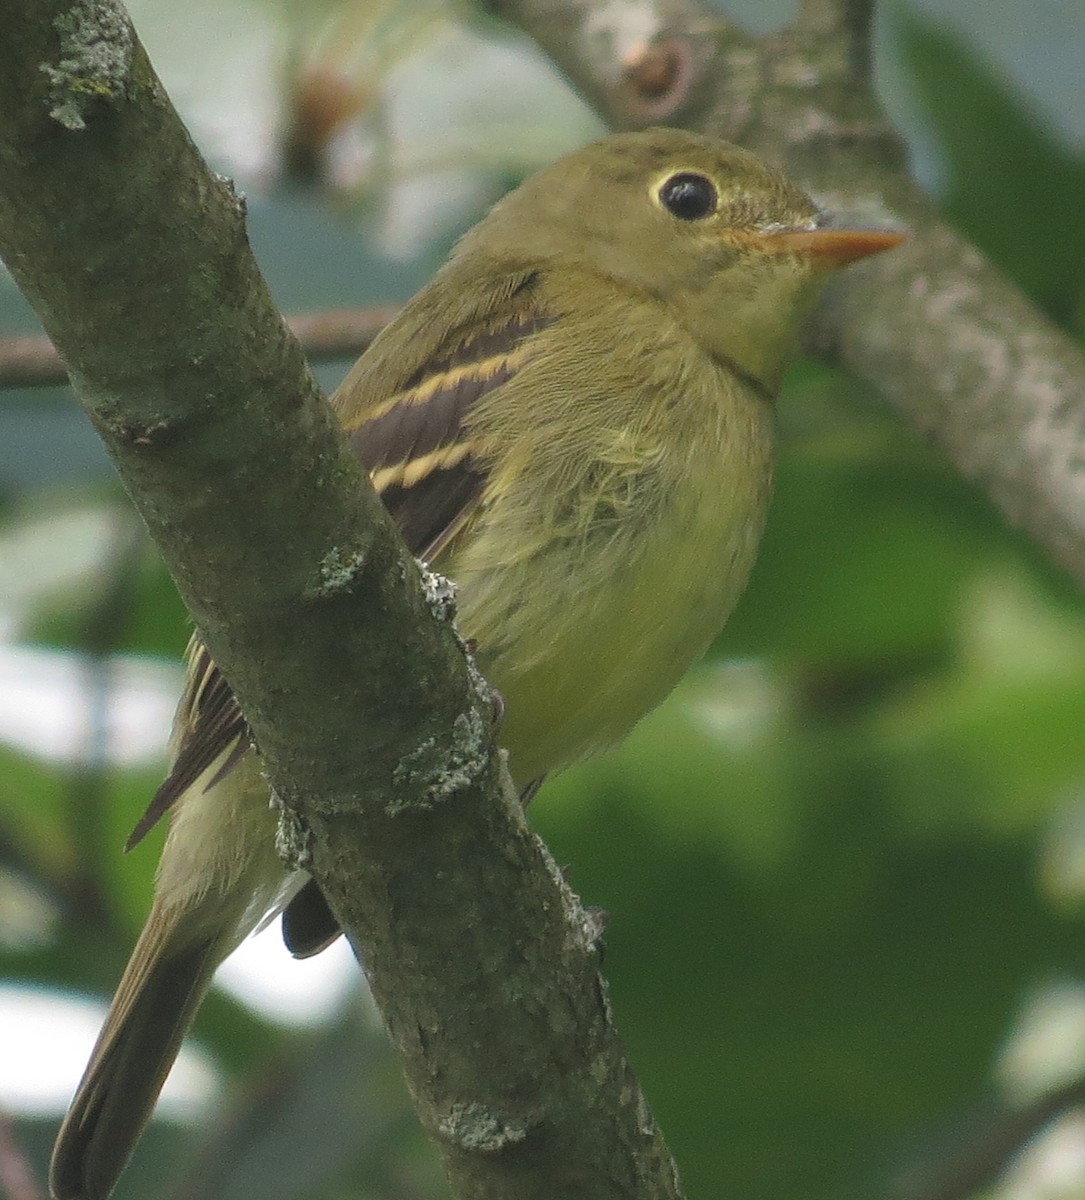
(218, 875)
(155, 1003)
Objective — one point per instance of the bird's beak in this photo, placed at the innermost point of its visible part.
(828, 249)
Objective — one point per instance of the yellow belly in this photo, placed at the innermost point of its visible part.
(592, 623)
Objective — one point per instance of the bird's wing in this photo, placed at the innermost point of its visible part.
(414, 444)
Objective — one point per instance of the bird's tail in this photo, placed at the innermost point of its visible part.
(157, 998)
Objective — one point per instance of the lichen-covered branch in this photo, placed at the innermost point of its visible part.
(956, 348)
(374, 732)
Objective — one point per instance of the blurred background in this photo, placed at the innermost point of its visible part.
(844, 865)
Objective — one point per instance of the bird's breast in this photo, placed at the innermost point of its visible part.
(589, 607)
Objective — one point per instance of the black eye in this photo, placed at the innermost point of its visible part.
(690, 197)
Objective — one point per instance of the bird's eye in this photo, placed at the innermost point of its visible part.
(688, 196)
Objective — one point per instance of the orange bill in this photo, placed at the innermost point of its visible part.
(833, 247)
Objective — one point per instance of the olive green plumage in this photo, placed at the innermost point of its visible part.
(574, 421)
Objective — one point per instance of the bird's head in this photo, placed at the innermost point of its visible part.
(727, 243)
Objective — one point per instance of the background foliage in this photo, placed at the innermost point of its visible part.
(844, 866)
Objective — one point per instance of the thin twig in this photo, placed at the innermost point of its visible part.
(991, 1150)
(31, 360)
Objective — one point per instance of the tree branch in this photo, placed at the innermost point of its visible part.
(985, 1156)
(31, 360)
(374, 731)
(958, 350)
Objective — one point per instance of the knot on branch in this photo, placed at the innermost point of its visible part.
(97, 44)
(657, 77)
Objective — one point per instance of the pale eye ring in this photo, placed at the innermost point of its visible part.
(689, 196)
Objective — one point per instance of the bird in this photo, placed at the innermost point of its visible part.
(574, 422)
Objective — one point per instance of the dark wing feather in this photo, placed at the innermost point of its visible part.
(415, 445)
(418, 453)
(209, 727)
